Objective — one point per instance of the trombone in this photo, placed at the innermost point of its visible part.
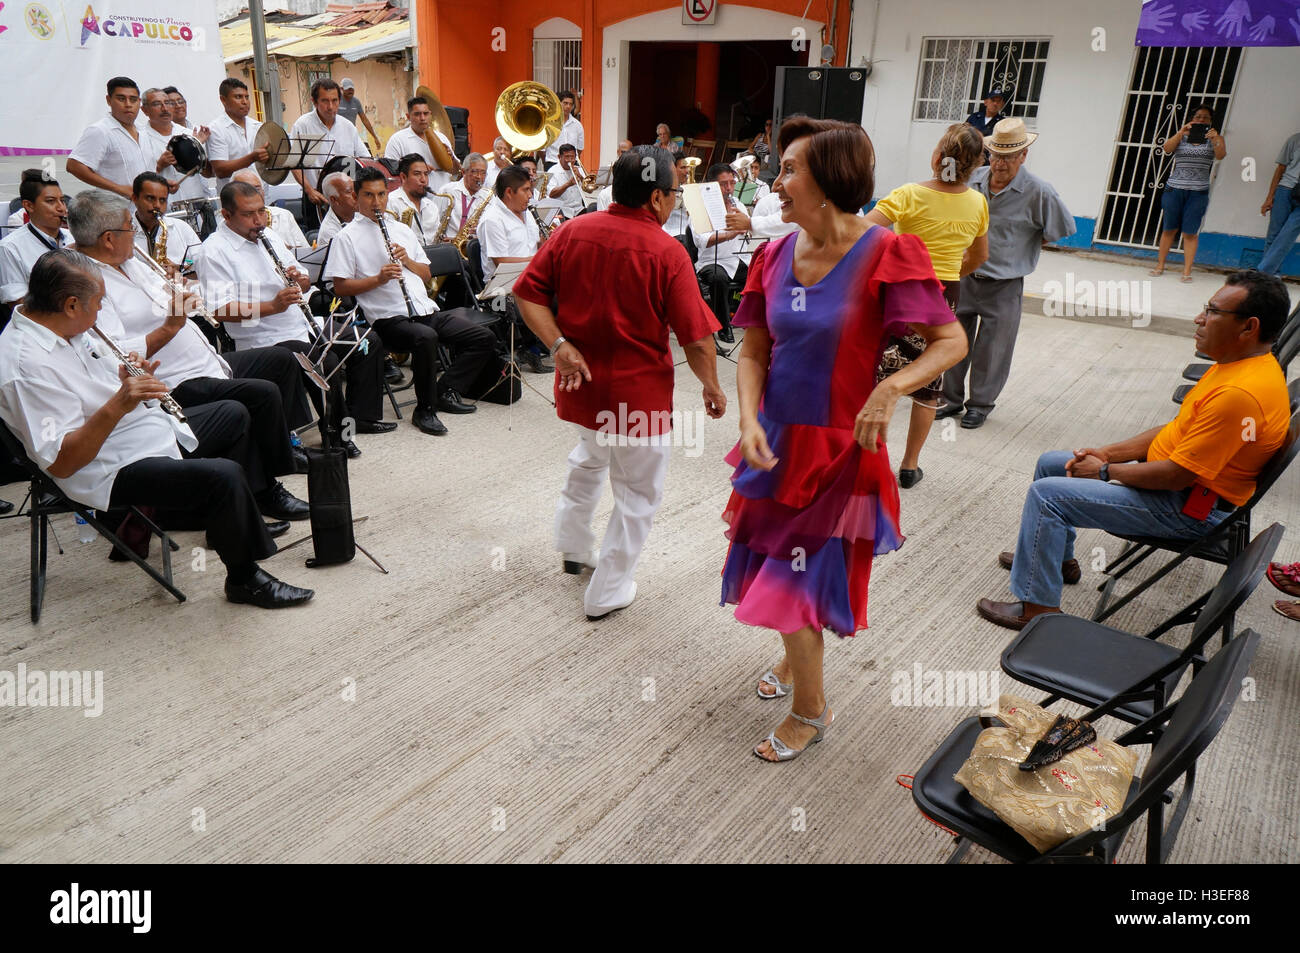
(586, 183)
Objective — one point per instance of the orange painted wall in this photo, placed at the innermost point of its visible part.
(458, 62)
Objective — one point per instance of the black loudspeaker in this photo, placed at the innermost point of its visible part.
(822, 92)
(846, 90)
(459, 128)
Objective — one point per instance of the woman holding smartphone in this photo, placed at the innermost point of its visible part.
(1195, 147)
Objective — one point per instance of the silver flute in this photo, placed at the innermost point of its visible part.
(168, 402)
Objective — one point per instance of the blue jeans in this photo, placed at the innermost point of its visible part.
(1056, 504)
(1283, 230)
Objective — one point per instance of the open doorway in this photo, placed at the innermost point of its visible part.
(662, 88)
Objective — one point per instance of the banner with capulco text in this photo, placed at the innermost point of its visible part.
(55, 58)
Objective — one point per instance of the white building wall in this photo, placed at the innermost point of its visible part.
(1082, 98)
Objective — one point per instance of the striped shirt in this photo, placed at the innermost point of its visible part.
(1192, 164)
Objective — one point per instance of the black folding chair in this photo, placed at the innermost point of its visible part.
(45, 499)
(1220, 545)
(1284, 348)
(1292, 390)
(1190, 724)
(1086, 662)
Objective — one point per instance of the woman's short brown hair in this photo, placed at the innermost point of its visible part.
(964, 145)
(840, 158)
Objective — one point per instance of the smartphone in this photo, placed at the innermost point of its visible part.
(1197, 133)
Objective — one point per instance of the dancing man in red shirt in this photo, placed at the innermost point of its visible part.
(621, 283)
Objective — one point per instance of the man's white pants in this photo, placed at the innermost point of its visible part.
(636, 474)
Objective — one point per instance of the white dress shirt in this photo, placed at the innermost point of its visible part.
(463, 204)
(678, 221)
(18, 254)
(50, 387)
(233, 269)
(428, 214)
(135, 304)
(229, 141)
(570, 132)
(286, 226)
(182, 241)
(604, 197)
(493, 171)
(571, 199)
(341, 139)
(194, 187)
(404, 142)
(725, 255)
(358, 251)
(765, 221)
(503, 234)
(329, 227)
(107, 148)
(17, 218)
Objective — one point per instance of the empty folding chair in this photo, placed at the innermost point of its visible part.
(1190, 724)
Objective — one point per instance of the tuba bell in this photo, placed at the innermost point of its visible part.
(529, 117)
(443, 159)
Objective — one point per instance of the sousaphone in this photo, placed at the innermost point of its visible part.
(529, 117)
(441, 122)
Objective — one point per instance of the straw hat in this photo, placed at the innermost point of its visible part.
(1009, 136)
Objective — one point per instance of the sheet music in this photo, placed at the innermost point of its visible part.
(312, 260)
(704, 203)
(503, 280)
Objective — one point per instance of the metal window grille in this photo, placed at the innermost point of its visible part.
(558, 64)
(1166, 85)
(308, 73)
(955, 72)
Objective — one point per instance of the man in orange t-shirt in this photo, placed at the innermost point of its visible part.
(1178, 481)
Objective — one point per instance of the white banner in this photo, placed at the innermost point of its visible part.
(55, 58)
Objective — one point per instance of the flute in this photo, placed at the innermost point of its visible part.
(392, 255)
(168, 402)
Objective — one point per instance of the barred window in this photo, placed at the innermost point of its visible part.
(955, 72)
(558, 64)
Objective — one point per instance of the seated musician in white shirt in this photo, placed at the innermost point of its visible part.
(606, 195)
(283, 224)
(414, 139)
(502, 159)
(563, 184)
(112, 152)
(342, 196)
(46, 211)
(149, 196)
(244, 290)
(508, 232)
(467, 193)
(414, 201)
(141, 313)
(529, 165)
(679, 219)
(719, 261)
(94, 430)
(339, 138)
(392, 295)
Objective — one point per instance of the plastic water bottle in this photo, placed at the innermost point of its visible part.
(294, 439)
(85, 532)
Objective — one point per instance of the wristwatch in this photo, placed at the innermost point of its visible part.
(556, 346)
(1103, 473)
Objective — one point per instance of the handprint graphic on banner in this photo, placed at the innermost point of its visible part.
(1219, 23)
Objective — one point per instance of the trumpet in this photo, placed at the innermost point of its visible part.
(692, 163)
(392, 256)
(168, 402)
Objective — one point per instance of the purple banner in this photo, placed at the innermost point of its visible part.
(1219, 23)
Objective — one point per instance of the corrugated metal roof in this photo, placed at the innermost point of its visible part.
(318, 36)
(331, 42)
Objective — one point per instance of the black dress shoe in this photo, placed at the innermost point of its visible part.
(279, 504)
(534, 362)
(266, 592)
(392, 373)
(910, 478)
(449, 402)
(352, 449)
(726, 337)
(5, 507)
(278, 528)
(299, 460)
(951, 410)
(428, 422)
(375, 426)
(973, 419)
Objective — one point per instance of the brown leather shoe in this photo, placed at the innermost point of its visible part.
(1070, 571)
(1011, 615)
(1281, 576)
(1289, 609)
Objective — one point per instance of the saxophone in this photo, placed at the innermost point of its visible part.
(160, 244)
(441, 231)
(468, 226)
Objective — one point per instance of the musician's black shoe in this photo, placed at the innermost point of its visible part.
(299, 460)
(266, 592)
(392, 373)
(375, 426)
(350, 446)
(5, 507)
(449, 402)
(534, 362)
(278, 528)
(726, 337)
(278, 503)
(428, 421)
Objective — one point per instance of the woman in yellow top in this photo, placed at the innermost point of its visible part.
(952, 219)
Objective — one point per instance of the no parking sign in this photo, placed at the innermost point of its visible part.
(699, 11)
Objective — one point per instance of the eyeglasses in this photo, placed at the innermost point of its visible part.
(107, 230)
(1210, 309)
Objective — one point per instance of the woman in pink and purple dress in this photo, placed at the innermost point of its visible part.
(814, 496)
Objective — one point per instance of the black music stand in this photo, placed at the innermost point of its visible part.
(499, 287)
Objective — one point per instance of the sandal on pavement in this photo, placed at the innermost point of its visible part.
(769, 678)
(783, 751)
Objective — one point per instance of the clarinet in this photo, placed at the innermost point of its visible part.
(168, 402)
(392, 256)
(543, 232)
(289, 282)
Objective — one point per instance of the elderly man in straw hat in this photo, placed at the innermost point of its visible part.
(1024, 213)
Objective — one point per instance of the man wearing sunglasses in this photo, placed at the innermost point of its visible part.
(1178, 481)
